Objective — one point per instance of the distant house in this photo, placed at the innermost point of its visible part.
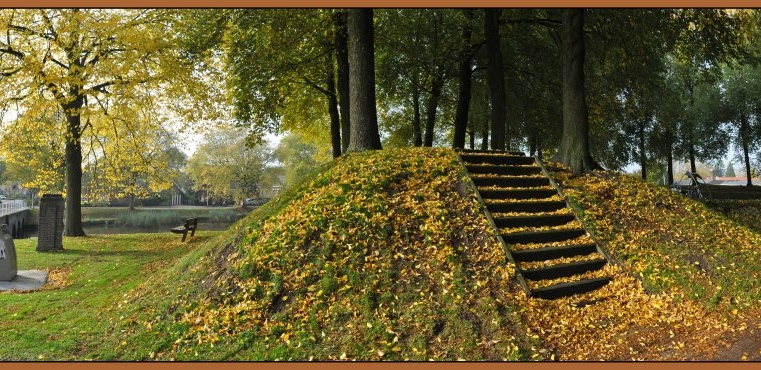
(178, 195)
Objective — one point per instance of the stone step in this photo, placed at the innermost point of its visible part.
(510, 160)
(535, 207)
(563, 270)
(526, 193)
(548, 253)
(503, 170)
(533, 221)
(569, 288)
(478, 151)
(511, 182)
(545, 236)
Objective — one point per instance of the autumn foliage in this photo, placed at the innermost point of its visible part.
(685, 284)
(386, 255)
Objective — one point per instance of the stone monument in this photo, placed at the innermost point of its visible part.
(50, 232)
(8, 265)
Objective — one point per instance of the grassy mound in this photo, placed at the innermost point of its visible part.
(673, 242)
(685, 285)
(386, 256)
(381, 255)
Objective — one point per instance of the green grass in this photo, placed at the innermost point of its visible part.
(352, 263)
(75, 320)
(148, 217)
(676, 244)
(382, 255)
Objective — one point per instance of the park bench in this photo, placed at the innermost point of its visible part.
(190, 225)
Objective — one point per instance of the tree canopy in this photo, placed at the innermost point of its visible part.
(106, 90)
(103, 81)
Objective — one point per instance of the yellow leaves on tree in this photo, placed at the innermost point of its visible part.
(90, 81)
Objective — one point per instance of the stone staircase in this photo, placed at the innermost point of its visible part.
(554, 255)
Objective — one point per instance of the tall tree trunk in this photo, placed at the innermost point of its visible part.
(73, 148)
(691, 154)
(342, 61)
(430, 110)
(669, 163)
(744, 137)
(496, 78)
(335, 119)
(364, 133)
(464, 76)
(642, 154)
(485, 139)
(417, 131)
(691, 128)
(574, 145)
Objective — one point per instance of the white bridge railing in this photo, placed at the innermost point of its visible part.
(12, 206)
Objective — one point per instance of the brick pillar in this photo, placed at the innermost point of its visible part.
(8, 265)
(50, 232)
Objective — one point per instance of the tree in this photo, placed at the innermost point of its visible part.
(93, 69)
(225, 167)
(35, 154)
(364, 133)
(574, 146)
(415, 71)
(730, 172)
(496, 78)
(299, 157)
(465, 75)
(718, 169)
(742, 92)
(342, 62)
(706, 38)
(285, 67)
(134, 165)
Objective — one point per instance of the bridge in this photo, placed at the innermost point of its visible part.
(13, 213)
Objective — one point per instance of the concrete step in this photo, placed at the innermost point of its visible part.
(537, 207)
(478, 151)
(511, 181)
(533, 221)
(510, 160)
(548, 253)
(563, 270)
(569, 288)
(525, 193)
(503, 170)
(545, 236)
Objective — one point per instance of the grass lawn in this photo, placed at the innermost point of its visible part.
(72, 317)
(387, 256)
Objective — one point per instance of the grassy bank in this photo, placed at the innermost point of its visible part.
(151, 217)
(73, 317)
(386, 256)
(145, 217)
(380, 256)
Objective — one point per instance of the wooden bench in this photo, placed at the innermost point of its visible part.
(190, 225)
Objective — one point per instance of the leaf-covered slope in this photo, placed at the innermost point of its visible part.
(385, 255)
(685, 285)
(673, 242)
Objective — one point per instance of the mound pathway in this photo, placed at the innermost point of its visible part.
(553, 253)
